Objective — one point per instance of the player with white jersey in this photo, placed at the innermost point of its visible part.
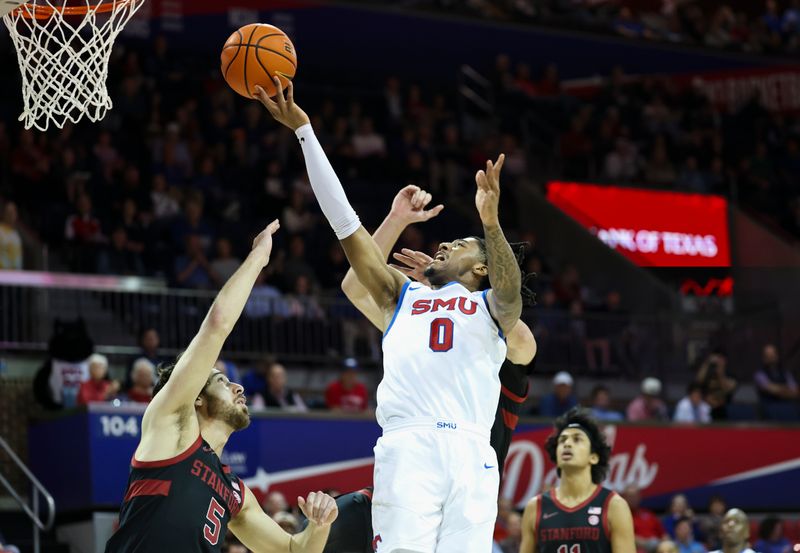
(435, 477)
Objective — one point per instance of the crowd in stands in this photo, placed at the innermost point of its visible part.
(764, 27)
(709, 397)
(182, 170)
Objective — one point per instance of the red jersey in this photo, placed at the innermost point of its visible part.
(93, 390)
(646, 524)
(354, 399)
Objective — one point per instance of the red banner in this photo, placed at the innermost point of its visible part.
(661, 461)
(652, 229)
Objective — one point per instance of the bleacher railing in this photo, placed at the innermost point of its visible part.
(316, 329)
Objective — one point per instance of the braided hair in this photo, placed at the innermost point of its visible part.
(528, 295)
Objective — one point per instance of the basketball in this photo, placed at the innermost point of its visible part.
(253, 55)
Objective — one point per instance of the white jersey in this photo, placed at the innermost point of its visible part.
(442, 354)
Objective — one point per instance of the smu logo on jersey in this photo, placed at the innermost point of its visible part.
(465, 305)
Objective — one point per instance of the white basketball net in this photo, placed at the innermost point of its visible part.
(64, 58)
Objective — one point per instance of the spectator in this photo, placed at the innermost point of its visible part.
(347, 393)
(287, 521)
(10, 239)
(648, 406)
(684, 538)
(165, 201)
(297, 218)
(691, 179)
(99, 387)
(711, 524)
(301, 303)
(601, 399)
(265, 300)
(229, 369)
(368, 143)
(678, 509)
(718, 387)
(777, 388)
(735, 533)
(692, 408)
(192, 223)
(117, 258)
(277, 395)
(142, 377)
(83, 234)
(296, 264)
(225, 263)
(771, 538)
(275, 503)
(647, 529)
(561, 399)
(667, 546)
(255, 382)
(192, 269)
(514, 527)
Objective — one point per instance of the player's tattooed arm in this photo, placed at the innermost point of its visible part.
(504, 298)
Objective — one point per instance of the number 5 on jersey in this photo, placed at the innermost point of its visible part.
(441, 338)
(214, 516)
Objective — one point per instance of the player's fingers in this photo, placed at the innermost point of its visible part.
(415, 257)
(409, 190)
(405, 270)
(274, 226)
(431, 213)
(499, 164)
(426, 199)
(416, 201)
(410, 261)
(302, 504)
(279, 98)
(480, 179)
(290, 93)
(264, 98)
(318, 503)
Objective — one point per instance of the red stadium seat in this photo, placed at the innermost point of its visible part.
(754, 530)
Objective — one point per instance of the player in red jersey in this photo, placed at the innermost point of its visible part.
(180, 497)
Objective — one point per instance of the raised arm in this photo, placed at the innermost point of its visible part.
(261, 534)
(505, 301)
(192, 369)
(364, 255)
(408, 207)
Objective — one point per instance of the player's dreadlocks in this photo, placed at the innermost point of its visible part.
(528, 295)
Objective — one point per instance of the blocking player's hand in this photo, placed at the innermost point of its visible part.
(319, 508)
(283, 109)
(487, 197)
(408, 206)
(414, 264)
(263, 242)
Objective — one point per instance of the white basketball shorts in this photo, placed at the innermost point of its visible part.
(436, 485)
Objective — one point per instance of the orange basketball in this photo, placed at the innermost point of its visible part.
(253, 55)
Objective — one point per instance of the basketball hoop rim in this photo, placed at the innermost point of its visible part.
(34, 11)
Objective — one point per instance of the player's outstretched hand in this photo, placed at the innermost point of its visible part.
(319, 508)
(415, 263)
(487, 198)
(263, 241)
(408, 206)
(283, 109)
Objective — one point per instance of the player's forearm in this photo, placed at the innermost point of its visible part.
(310, 540)
(504, 276)
(385, 237)
(233, 296)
